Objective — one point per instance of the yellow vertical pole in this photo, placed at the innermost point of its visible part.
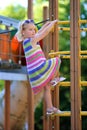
(75, 64)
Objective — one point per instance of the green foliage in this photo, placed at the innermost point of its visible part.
(40, 1)
(63, 12)
(14, 12)
(38, 10)
(38, 117)
(1, 84)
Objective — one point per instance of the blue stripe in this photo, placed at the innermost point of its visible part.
(27, 48)
(38, 68)
(39, 76)
(26, 41)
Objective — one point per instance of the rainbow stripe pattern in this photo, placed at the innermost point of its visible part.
(40, 70)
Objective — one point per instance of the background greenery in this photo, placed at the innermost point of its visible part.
(64, 44)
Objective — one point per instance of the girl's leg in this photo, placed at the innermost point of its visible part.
(48, 99)
(47, 96)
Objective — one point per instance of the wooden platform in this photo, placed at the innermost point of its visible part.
(14, 74)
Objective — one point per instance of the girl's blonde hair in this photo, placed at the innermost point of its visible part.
(19, 34)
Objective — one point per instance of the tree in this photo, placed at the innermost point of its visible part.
(14, 12)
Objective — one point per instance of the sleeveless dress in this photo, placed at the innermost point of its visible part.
(40, 70)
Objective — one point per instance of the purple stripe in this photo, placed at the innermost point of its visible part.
(35, 65)
(30, 62)
(33, 55)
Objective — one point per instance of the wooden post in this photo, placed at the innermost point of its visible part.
(45, 49)
(75, 65)
(53, 14)
(7, 105)
(46, 39)
(30, 93)
(30, 9)
(30, 108)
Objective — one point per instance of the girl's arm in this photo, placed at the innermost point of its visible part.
(44, 31)
(44, 26)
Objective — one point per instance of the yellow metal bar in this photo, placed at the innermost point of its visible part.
(83, 52)
(82, 21)
(65, 113)
(68, 29)
(63, 22)
(68, 22)
(83, 29)
(68, 113)
(83, 57)
(67, 84)
(65, 56)
(83, 113)
(64, 28)
(65, 52)
(68, 57)
(64, 84)
(83, 83)
(52, 54)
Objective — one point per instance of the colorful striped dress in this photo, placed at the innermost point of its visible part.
(40, 70)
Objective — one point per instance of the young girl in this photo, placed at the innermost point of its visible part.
(42, 72)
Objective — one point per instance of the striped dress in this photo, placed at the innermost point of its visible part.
(40, 70)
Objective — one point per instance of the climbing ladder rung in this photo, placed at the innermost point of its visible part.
(68, 113)
(67, 83)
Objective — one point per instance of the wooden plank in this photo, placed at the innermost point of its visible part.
(13, 76)
(9, 21)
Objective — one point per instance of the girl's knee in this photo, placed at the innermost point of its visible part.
(47, 87)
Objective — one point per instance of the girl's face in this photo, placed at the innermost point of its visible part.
(29, 30)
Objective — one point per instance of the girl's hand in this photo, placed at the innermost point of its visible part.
(55, 21)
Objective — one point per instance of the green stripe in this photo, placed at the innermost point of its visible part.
(41, 79)
(35, 57)
(32, 51)
(46, 74)
(26, 45)
(39, 71)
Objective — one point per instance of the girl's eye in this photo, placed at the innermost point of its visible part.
(30, 29)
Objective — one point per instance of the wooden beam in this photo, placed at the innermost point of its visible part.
(75, 65)
(30, 108)
(7, 105)
(30, 9)
(53, 14)
(45, 49)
